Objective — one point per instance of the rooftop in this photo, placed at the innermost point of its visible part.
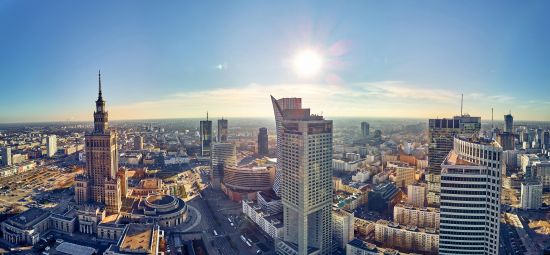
(138, 237)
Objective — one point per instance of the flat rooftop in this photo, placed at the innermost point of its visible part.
(138, 238)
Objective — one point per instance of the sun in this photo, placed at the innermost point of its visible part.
(308, 63)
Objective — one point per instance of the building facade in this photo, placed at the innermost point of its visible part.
(205, 130)
(342, 228)
(420, 217)
(441, 134)
(416, 195)
(531, 195)
(470, 198)
(223, 155)
(263, 142)
(51, 145)
(222, 131)
(365, 129)
(408, 238)
(306, 186)
(279, 107)
(100, 183)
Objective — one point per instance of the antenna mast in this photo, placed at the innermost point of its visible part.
(492, 119)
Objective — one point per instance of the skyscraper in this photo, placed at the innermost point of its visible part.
(306, 184)
(470, 198)
(51, 145)
(222, 131)
(441, 133)
(206, 136)
(279, 107)
(263, 148)
(223, 155)
(6, 156)
(365, 129)
(138, 142)
(508, 123)
(100, 182)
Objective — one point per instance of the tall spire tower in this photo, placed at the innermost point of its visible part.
(100, 184)
(101, 117)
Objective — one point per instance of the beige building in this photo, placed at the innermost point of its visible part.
(342, 227)
(100, 182)
(420, 217)
(407, 238)
(416, 194)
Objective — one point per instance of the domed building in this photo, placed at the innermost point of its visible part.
(165, 210)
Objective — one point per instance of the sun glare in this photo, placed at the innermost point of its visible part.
(308, 63)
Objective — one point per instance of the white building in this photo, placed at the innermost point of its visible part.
(51, 145)
(361, 176)
(531, 195)
(272, 224)
(470, 198)
(406, 237)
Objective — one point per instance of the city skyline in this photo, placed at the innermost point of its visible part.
(163, 61)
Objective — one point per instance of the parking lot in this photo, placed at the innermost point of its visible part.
(42, 187)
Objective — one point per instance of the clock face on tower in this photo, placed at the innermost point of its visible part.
(99, 109)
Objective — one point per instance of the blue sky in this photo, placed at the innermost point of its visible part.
(177, 59)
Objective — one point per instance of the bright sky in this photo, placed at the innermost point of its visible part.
(178, 59)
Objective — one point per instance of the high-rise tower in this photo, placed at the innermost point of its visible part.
(441, 134)
(508, 123)
(263, 142)
(470, 198)
(365, 129)
(206, 136)
(279, 107)
(222, 131)
(305, 163)
(100, 183)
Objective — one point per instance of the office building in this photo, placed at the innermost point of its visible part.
(416, 195)
(508, 123)
(6, 156)
(306, 184)
(279, 107)
(222, 131)
(138, 143)
(100, 182)
(441, 133)
(223, 155)
(506, 140)
(422, 217)
(365, 129)
(546, 139)
(51, 145)
(405, 176)
(384, 197)
(342, 227)
(531, 195)
(410, 238)
(263, 142)
(205, 131)
(470, 198)
(243, 183)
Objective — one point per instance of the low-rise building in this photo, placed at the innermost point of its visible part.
(271, 224)
(408, 238)
(424, 217)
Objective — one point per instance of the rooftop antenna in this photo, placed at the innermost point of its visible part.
(206, 115)
(461, 103)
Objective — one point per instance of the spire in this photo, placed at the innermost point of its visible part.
(207, 115)
(100, 95)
